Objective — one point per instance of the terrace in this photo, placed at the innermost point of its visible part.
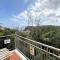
(27, 49)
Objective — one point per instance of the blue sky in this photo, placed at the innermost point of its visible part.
(17, 12)
(8, 8)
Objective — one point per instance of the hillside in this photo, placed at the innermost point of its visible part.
(46, 34)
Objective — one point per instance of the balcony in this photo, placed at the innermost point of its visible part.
(27, 49)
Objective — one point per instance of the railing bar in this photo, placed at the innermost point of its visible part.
(46, 54)
(42, 49)
(40, 43)
(6, 35)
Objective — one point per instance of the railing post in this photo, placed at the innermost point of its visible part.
(47, 53)
(15, 40)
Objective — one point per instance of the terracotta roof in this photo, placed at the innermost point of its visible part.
(14, 56)
(5, 54)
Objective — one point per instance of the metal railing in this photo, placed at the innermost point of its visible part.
(35, 50)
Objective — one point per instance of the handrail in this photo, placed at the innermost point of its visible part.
(6, 35)
(41, 49)
(57, 49)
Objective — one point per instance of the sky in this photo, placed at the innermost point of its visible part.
(9, 8)
(18, 12)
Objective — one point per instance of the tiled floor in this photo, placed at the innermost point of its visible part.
(4, 53)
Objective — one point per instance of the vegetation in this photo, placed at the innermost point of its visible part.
(46, 34)
(5, 32)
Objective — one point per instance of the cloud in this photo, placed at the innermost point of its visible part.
(52, 4)
(21, 16)
(40, 9)
(52, 7)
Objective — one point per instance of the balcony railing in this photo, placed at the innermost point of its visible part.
(35, 50)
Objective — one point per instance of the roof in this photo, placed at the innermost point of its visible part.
(14, 56)
(4, 53)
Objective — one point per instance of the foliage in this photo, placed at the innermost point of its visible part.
(46, 34)
(8, 31)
